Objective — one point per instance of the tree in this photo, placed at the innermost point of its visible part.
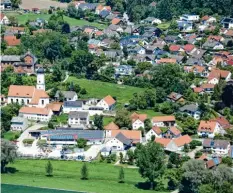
(205, 188)
(125, 51)
(19, 80)
(150, 160)
(65, 28)
(194, 175)
(49, 169)
(98, 121)
(174, 158)
(13, 20)
(142, 66)
(130, 155)
(121, 157)
(163, 10)
(227, 160)
(121, 178)
(83, 91)
(227, 95)
(8, 153)
(16, 3)
(147, 125)
(84, 172)
(56, 74)
(122, 119)
(11, 50)
(194, 143)
(186, 148)
(81, 143)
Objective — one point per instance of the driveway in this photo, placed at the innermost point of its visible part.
(28, 150)
(192, 153)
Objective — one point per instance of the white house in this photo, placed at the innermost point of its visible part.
(190, 17)
(29, 95)
(138, 120)
(177, 144)
(19, 123)
(4, 19)
(36, 113)
(79, 118)
(156, 131)
(164, 121)
(191, 110)
(209, 129)
(118, 143)
(108, 103)
(218, 147)
(69, 106)
(68, 95)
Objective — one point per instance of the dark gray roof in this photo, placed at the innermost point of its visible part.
(73, 104)
(66, 94)
(40, 71)
(190, 107)
(123, 139)
(90, 6)
(10, 58)
(208, 143)
(78, 114)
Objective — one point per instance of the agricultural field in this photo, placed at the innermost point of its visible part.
(103, 178)
(98, 89)
(23, 18)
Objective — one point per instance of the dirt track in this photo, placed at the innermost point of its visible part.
(41, 4)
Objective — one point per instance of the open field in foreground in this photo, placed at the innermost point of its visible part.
(103, 178)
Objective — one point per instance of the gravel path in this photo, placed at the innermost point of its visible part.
(41, 4)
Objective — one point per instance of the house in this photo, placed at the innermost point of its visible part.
(208, 88)
(191, 110)
(156, 131)
(175, 49)
(108, 103)
(166, 61)
(134, 135)
(6, 4)
(171, 133)
(119, 143)
(56, 107)
(209, 129)
(207, 20)
(177, 144)
(197, 70)
(79, 118)
(217, 147)
(175, 97)
(36, 113)
(67, 95)
(123, 70)
(111, 126)
(189, 48)
(88, 6)
(64, 136)
(216, 74)
(116, 21)
(100, 8)
(19, 123)
(163, 141)
(185, 26)
(227, 22)
(164, 121)
(190, 17)
(4, 19)
(69, 106)
(223, 122)
(11, 40)
(152, 20)
(213, 162)
(104, 13)
(212, 44)
(138, 120)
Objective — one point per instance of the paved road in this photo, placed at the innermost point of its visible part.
(28, 150)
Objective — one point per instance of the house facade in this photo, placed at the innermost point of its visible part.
(164, 121)
(79, 118)
(155, 131)
(209, 129)
(217, 147)
(19, 124)
(107, 103)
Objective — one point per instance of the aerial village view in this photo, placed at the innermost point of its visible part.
(116, 96)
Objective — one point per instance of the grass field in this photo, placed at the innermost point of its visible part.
(164, 26)
(11, 135)
(103, 178)
(22, 19)
(98, 89)
(150, 113)
(9, 188)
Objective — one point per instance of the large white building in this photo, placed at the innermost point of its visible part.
(36, 113)
(30, 95)
(209, 129)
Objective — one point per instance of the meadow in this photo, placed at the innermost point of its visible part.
(103, 178)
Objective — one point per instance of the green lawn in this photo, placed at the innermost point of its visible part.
(98, 89)
(23, 18)
(150, 113)
(108, 120)
(103, 178)
(11, 135)
(164, 25)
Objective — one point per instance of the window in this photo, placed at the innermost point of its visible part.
(28, 101)
(42, 101)
(17, 100)
(12, 100)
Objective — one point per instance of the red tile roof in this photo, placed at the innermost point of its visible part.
(163, 141)
(197, 89)
(109, 100)
(12, 40)
(207, 126)
(21, 91)
(182, 140)
(189, 47)
(157, 130)
(134, 135)
(115, 21)
(223, 122)
(34, 110)
(163, 118)
(174, 48)
(175, 131)
(111, 126)
(135, 116)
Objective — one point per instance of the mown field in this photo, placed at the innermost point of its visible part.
(98, 89)
(103, 178)
(23, 18)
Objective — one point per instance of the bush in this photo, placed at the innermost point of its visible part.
(194, 143)
(28, 141)
(198, 154)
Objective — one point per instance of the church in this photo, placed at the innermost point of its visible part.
(30, 95)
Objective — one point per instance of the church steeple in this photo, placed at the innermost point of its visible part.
(40, 79)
